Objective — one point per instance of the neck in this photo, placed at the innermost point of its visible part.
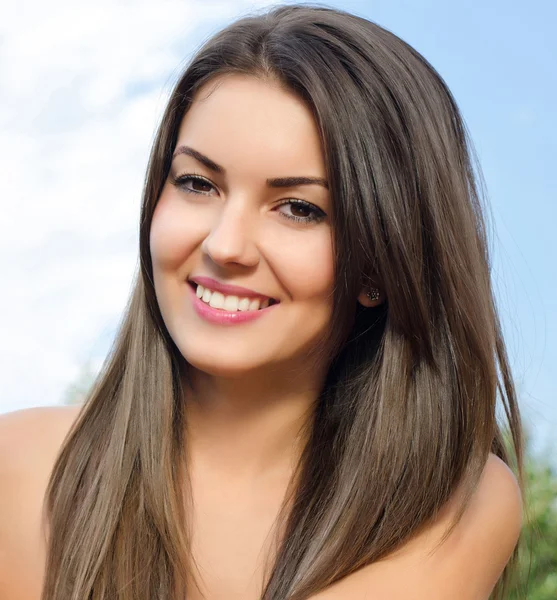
(246, 428)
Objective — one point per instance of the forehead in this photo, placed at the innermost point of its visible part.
(243, 122)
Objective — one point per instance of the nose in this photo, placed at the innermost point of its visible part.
(231, 239)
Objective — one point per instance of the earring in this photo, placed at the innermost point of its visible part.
(373, 294)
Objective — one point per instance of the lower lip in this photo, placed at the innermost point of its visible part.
(223, 317)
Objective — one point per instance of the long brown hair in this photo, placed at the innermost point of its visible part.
(408, 407)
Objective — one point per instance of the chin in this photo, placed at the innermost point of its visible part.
(230, 367)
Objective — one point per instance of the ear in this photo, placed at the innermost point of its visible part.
(365, 300)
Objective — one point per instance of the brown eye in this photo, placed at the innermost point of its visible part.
(302, 211)
(196, 184)
(202, 186)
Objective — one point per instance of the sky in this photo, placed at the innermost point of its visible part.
(82, 89)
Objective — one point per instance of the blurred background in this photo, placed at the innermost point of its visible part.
(82, 89)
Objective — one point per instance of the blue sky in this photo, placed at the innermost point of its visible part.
(96, 78)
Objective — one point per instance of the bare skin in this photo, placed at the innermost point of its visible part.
(230, 542)
(253, 386)
(29, 442)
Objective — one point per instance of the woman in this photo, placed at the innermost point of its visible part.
(301, 400)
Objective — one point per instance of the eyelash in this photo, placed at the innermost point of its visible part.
(317, 214)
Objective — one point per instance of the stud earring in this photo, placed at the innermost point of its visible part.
(373, 294)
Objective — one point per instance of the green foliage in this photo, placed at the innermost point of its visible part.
(536, 574)
(537, 568)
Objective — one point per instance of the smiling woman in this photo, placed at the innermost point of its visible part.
(301, 401)
(234, 223)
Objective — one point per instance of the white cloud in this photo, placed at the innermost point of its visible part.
(82, 88)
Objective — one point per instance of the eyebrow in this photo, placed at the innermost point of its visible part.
(277, 182)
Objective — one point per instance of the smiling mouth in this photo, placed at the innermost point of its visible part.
(263, 303)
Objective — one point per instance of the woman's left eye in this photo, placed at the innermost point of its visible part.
(316, 215)
(313, 214)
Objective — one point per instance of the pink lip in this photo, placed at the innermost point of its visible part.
(223, 317)
(227, 289)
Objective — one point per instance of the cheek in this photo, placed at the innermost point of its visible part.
(173, 235)
(306, 265)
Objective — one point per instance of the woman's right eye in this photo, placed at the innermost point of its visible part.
(195, 180)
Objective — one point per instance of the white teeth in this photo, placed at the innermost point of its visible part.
(254, 304)
(217, 299)
(229, 303)
(243, 305)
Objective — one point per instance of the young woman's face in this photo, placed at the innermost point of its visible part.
(231, 225)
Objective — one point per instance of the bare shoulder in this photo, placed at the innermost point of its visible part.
(31, 432)
(29, 443)
(55, 415)
(466, 567)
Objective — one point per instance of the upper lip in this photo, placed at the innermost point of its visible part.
(228, 289)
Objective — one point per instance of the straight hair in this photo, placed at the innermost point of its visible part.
(407, 411)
